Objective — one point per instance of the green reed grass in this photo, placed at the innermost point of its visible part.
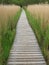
(42, 34)
(7, 37)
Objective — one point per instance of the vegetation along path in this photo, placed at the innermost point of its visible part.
(25, 50)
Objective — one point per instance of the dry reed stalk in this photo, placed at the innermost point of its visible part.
(7, 11)
(40, 11)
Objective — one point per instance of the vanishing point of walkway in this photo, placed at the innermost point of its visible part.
(25, 50)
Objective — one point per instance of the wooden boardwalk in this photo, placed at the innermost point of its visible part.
(25, 50)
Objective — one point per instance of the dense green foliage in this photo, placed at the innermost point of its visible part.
(23, 2)
(42, 36)
(7, 39)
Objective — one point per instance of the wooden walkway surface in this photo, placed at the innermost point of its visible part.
(25, 50)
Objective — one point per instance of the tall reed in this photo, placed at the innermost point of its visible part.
(40, 23)
(8, 20)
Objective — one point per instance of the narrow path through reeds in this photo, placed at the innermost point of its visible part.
(25, 50)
